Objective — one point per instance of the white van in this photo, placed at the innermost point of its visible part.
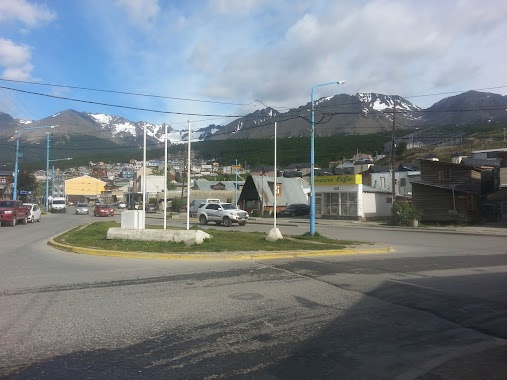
(194, 205)
(58, 204)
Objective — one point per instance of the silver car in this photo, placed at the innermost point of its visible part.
(82, 209)
(221, 213)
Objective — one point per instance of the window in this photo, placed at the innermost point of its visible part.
(403, 182)
(444, 174)
(348, 204)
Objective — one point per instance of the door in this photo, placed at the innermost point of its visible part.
(318, 205)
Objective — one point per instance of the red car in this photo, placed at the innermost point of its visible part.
(103, 210)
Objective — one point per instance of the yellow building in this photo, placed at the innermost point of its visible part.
(83, 188)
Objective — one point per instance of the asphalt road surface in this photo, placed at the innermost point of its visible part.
(434, 308)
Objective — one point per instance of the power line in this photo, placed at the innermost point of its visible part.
(272, 119)
(219, 102)
(116, 105)
(132, 93)
(454, 92)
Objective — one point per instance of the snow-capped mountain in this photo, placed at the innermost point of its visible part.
(110, 127)
(380, 102)
(360, 113)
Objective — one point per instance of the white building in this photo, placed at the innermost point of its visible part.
(345, 197)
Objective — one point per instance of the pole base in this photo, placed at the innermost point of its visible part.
(274, 235)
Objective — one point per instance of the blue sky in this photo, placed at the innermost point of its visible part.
(239, 51)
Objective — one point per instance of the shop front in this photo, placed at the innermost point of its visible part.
(339, 197)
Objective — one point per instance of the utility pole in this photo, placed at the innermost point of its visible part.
(393, 157)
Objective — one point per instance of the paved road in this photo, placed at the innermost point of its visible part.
(429, 310)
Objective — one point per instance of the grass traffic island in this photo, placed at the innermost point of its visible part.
(91, 238)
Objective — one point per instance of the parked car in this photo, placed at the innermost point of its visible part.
(122, 205)
(295, 209)
(82, 209)
(103, 210)
(219, 213)
(12, 212)
(35, 212)
(198, 203)
(151, 208)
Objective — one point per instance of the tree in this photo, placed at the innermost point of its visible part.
(26, 181)
(401, 148)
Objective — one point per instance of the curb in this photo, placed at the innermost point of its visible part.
(329, 222)
(448, 231)
(217, 256)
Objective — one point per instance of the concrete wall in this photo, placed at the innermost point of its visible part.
(375, 205)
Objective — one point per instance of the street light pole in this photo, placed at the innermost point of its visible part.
(165, 177)
(48, 134)
(312, 159)
(189, 164)
(53, 172)
(14, 196)
(53, 182)
(236, 186)
(18, 133)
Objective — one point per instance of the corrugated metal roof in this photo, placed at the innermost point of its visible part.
(478, 162)
(294, 190)
(204, 184)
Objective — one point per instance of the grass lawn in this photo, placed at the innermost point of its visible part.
(224, 240)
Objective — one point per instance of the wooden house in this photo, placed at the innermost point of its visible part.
(447, 192)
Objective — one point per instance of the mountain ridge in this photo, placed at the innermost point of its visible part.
(361, 113)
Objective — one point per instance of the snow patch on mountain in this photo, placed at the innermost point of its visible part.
(380, 102)
(321, 100)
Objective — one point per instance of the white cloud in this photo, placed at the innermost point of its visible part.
(18, 73)
(389, 46)
(235, 7)
(140, 12)
(21, 10)
(15, 60)
(12, 54)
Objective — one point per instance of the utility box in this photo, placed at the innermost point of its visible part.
(132, 219)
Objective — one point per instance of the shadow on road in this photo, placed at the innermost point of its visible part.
(397, 330)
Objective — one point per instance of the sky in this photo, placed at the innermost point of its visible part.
(232, 57)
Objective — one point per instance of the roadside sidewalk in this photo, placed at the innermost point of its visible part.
(490, 229)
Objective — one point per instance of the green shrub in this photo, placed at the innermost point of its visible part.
(177, 204)
(403, 213)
